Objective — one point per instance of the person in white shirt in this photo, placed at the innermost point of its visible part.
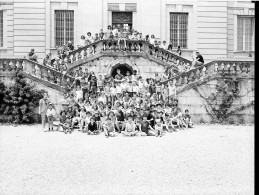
(82, 42)
(135, 88)
(79, 93)
(152, 39)
(114, 30)
(88, 106)
(124, 85)
(89, 38)
(172, 89)
(135, 76)
(102, 98)
(113, 93)
(51, 113)
(164, 45)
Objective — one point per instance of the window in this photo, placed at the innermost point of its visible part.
(1, 29)
(178, 29)
(64, 23)
(245, 33)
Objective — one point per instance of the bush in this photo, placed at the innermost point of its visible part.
(20, 100)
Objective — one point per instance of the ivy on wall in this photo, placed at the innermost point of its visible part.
(219, 103)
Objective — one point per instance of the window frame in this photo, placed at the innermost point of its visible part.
(244, 37)
(179, 29)
(2, 44)
(65, 23)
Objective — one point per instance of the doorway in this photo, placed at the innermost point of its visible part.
(122, 20)
(123, 67)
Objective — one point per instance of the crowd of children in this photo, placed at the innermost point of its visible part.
(112, 33)
(124, 104)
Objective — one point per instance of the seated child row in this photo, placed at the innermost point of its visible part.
(128, 120)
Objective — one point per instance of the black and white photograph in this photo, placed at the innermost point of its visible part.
(127, 97)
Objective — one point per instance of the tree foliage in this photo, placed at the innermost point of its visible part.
(20, 100)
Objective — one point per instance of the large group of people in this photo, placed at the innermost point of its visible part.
(121, 36)
(126, 104)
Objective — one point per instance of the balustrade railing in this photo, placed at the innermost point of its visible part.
(46, 73)
(240, 68)
(104, 46)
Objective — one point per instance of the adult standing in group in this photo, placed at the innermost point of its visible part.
(199, 61)
(43, 107)
(118, 77)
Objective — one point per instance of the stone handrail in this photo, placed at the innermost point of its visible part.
(133, 46)
(239, 68)
(34, 69)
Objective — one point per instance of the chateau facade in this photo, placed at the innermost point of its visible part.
(217, 29)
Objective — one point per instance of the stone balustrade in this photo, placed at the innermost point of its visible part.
(34, 69)
(239, 68)
(132, 46)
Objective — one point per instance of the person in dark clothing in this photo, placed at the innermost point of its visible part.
(170, 46)
(70, 46)
(120, 125)
(151, 118)
(92, 127)
(179, 51)
(199, 61)
(32, 56)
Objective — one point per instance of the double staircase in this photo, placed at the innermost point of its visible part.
(239, 68)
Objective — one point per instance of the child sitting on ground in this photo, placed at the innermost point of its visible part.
(168, 123)
(130, 128)
(181, 123)
(76, 120)
(92, 127)
(62, 120)
(109, 128)
(187, 119)
(68, 125)
(86, 121)
(159, 127)
(145, 128)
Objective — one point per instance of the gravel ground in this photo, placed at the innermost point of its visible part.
(211, 159)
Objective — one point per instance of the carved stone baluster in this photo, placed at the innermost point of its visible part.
(216, 67)
(58, 78)
(70, 58)
(190, 77)
(221, 68)
(185, 80)
(197, 75)
(44, 74)
(33, 69)
(17, 65)
(74, 58)
(50, 76)
(248, 67)
(238, 70)
(203, 73)
(232, 69)
(244, 70)
(2, 68)
(37, 71)
(10, 66)
(226, 68)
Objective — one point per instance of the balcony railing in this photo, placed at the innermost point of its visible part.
(34, 69)
(133, 46)
(239, 68)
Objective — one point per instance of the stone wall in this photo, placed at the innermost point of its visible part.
(146, 68)
(203, 106)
